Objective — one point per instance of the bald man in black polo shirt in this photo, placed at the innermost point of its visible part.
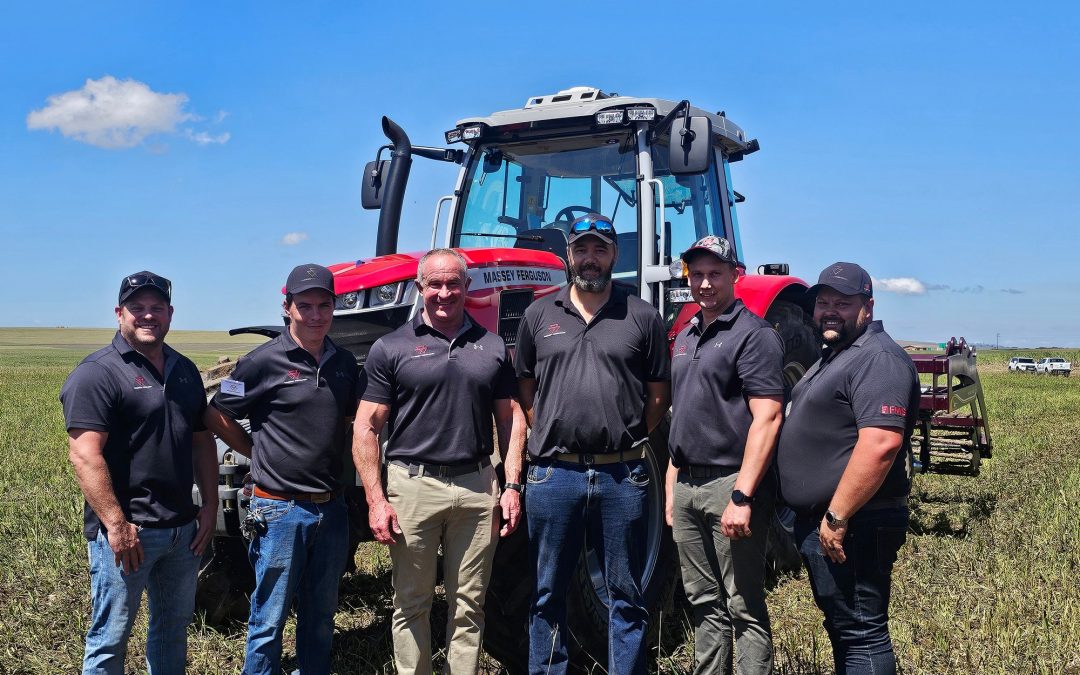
(844, 460)
(136, 439)
(436, 383)
(727, 394)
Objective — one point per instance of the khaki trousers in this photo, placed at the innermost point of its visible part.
(459, 514)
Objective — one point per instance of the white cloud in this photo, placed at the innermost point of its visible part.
(114, 114)
(901, 285)
(293, 238)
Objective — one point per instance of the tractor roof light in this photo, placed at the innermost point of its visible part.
(453, 136)
(472, 133)
(642, 114)
(606, 117)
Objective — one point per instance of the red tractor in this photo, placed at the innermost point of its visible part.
(659, 169)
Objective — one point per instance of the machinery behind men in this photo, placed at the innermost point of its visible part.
(659, 169)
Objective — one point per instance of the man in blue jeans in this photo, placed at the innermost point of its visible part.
(593, 373)
(844, 461)
(300, 392)
(134, 412)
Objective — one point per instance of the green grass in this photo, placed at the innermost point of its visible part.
(987, 582)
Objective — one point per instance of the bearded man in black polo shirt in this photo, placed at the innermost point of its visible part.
(135, 435)
(299, 390)
(438, 381)
(845, 467)
(593, 371)
(727, 395)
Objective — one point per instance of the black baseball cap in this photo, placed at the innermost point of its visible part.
(309, 276)
(594, 224)
(718, 246)
(846, 278)
(133, 283)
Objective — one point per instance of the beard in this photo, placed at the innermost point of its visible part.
(596, 283)
(844, 334)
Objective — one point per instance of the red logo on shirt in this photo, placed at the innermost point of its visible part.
(294, 374)
(894, 410)
(681, 350)
(140, 381)
(420, 349)
(553, 328)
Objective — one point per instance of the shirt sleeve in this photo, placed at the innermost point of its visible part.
(505, 379)
(657, 355)
(525, 349)
(197, 423)
(881, 392)
(239, 405)
(378, 382)
(761, 363)
(90, 398)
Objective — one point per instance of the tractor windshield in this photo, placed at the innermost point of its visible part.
(526, 194)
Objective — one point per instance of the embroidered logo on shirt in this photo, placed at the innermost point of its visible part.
(894, 410)
(680, 351)
(553, 329)
(478, 346)
(421, 350)
(140, 382)
(718, 344)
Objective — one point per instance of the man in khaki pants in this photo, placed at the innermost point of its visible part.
(438, 380)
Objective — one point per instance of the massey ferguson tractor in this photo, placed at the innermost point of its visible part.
(661, 171)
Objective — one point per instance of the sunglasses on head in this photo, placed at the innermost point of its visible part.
(135, 281)
(601, 225)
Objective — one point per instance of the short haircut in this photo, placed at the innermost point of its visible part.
(437, 252)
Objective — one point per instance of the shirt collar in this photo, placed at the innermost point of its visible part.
(871, 329)
(728, 316)
(128, 352)
(290, 345)
(562, 298)
(420, 326)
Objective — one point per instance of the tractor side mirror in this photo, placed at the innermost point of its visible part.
(690, 147)
(371, 190)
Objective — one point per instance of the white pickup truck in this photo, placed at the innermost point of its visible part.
(1053, 366)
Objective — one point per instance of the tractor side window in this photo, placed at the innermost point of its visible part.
(494, 206)
(691, 204)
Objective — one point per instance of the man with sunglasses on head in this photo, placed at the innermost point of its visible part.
(593, 373)
(300, 392)
(844, 461)
(134, 417)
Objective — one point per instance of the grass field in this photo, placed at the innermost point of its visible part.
(987, 582)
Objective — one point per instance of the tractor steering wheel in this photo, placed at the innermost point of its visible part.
(569, 210)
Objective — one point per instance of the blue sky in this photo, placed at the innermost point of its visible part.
(934, 142)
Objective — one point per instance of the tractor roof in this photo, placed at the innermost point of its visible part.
(585, 102)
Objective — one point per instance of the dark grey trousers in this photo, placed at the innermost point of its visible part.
(724, 579)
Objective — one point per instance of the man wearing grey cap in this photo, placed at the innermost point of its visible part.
(844, 462)
(300, 392)
(134, 417)
(727, 392)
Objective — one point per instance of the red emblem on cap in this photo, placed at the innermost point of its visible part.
(140, 381)
(421, 349)
(294, 374)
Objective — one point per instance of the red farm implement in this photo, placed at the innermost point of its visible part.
(952, 431)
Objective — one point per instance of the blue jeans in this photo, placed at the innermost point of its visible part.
(855, 595)
(565, 504)
(301, 555)
(167, 573)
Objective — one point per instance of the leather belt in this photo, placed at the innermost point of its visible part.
(585, 459)
(313, 497)
(442, 471)
(701, 471)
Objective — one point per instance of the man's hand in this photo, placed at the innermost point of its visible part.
(832, 540)
(510, 502)
(735, 523)
(205, 521)
(384, 522)
(127, 551)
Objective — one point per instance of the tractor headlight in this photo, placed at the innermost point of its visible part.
(387, 294)
(349, 300)
(643, 114)
(610, 117)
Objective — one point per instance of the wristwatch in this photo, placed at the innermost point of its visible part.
(834, 520)
(516, 486)
(738, 497)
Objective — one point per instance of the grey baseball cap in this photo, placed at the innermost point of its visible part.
(846, 278)
(309, 276)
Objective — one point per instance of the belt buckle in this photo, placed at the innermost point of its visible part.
(444, 472)
(588, 459)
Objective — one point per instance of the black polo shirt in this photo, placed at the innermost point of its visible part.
(441, 390)
(590, 379)
(299, 409)
(713, 372)
(872, 383)
(150, 419)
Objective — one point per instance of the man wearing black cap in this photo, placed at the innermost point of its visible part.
(844, 460)
(593, 370)
(300, 392)
(134, 416)
(727, 395)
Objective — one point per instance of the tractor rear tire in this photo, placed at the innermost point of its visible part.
(801, 343)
